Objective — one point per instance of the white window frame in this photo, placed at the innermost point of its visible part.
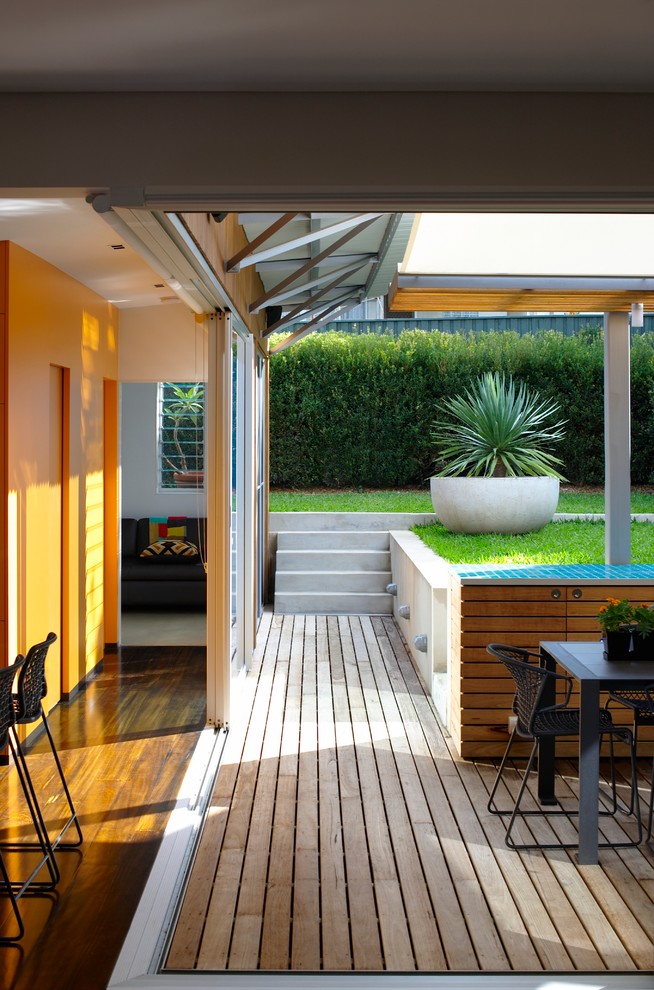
(161, 487)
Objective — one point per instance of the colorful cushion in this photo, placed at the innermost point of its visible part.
(181, 550)
(167, 528)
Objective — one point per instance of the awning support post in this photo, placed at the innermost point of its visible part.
(617, 438)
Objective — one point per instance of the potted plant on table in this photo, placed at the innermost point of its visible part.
(626, 629)
(500, 475)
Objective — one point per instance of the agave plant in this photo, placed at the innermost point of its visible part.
(498, 430)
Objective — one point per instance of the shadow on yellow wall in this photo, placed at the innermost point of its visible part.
(60, 341)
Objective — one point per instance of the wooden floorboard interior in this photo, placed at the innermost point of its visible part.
(125, 742)
(344, 834)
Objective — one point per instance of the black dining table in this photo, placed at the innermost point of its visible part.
(586, 663)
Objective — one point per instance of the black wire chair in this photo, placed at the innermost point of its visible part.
(649, 698)
(534, 721)
(28, 708)
(16, 888)
(636, 699)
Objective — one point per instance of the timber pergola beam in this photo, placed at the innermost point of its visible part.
(520, 293)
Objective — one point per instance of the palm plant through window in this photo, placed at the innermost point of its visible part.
(181, 434)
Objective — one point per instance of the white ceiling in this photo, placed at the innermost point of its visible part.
(292, 45)
(68, 233)
(300, 45)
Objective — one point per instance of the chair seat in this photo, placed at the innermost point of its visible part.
(641, 702)
(566, 722)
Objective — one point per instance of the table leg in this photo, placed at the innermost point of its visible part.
(547, 746)
(589, 747)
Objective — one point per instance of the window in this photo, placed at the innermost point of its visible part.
(181, 434)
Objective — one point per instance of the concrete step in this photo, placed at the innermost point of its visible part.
(332, 581)
(333, 603)
(333, 560)
(322, 539)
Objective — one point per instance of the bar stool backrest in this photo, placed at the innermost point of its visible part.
(32, 685)
(7, 712)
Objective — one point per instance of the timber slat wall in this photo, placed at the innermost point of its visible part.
(344, 834)
(517, 615)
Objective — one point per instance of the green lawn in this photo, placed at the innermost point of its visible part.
(350, 501)
(413, 500)
(557, 543)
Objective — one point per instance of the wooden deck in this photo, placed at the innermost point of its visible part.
(344, 834)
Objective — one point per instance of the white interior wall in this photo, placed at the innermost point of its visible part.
(138, 441)
(157, 343)
(161, 344)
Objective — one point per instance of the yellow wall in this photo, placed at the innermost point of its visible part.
(61, 346)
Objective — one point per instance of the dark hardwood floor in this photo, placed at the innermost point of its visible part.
(125, 742)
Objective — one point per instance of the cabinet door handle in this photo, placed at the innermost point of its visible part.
(577, 593)
(556, 592)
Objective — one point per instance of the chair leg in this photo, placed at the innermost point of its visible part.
(16, 888)
(491, 800)
(628, 738)
(523, 784)
(651, 808)
(42, 840)
(635, 799)
(634, 794)
(73, 818)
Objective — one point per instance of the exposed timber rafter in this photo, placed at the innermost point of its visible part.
(291, 264)
(302, 307)
(250, 256)
(327, 252)
(314, 283)
(318, 321)
(386, 243)
(244, 257)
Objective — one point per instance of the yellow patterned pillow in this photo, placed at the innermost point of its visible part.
(180, 549)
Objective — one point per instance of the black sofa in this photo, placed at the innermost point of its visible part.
(162, 582)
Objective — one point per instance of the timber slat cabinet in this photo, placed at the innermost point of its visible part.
(518, 614)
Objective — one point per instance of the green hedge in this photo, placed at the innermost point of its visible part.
(357, 410)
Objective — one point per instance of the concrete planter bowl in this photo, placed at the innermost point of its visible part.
(494, 505)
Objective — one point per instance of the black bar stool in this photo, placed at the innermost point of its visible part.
(16, 888)
(28, 708)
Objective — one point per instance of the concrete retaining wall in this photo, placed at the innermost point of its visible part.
(422, 580)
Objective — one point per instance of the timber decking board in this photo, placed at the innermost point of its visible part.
(361, 841)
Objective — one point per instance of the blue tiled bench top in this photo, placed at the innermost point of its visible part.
(555, 572)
